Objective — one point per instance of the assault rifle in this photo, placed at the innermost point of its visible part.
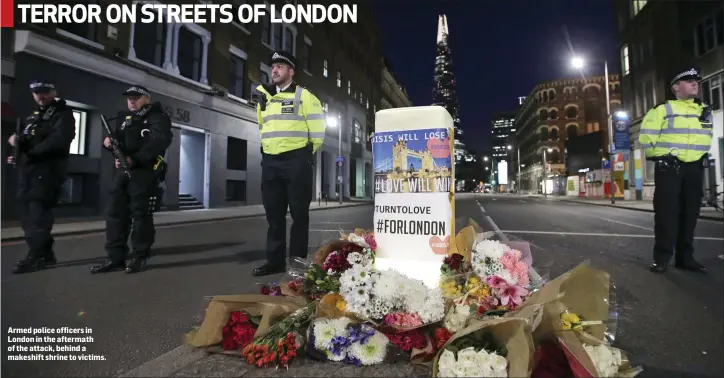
(18, 136)
(115, 148)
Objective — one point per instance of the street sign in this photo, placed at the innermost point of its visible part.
(620, 135)
(340, 159)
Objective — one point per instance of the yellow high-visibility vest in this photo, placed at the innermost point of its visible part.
(291, 119)
(674, 128)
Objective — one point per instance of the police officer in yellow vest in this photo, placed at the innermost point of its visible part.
(291, 126)
(677, 136)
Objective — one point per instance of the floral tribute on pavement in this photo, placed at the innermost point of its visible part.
(479, 321)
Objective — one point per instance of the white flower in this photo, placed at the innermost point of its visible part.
(457, 318)
(373, 352)
(445, 364)
(356, 258)
(605, 359)
(326, 329)
(359, 240)
(498, 363)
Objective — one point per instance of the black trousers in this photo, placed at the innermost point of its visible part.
(677, 202)
(129, 211)
(38, 192)
(287, 181)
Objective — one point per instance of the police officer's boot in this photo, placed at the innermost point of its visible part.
(135, 265)
(107, 266)
(28, 265)
(49, 255)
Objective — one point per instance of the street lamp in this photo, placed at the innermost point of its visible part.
(334, 122)
(579, 63)
(545, 172)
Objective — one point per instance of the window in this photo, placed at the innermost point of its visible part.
(237, 72)
(708, 33)
(625, 60)
(86, 33)
(189, 54)
(278, 36)
(288, 40)
(266, 31)
(264, 74)
(150, 43)
(235, 154)
(711, 92)
(235, 190)
(636, 6)
(339, 79)
(307, 55)
(349, 87)
(356, 131)
(77, 146)
(180, 50)
(325, 70)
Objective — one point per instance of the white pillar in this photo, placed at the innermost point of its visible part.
(174, 37)
(168, 64)
(204, 60)
(131, 37)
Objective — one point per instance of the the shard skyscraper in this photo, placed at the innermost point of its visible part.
(444, 93)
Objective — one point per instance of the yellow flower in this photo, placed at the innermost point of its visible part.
(341, 305)
(566, 324)
(570, 320)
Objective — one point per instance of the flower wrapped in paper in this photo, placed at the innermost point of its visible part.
(226, 312)
(279, 345)
(487, 348)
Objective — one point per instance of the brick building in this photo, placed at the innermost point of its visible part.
(552, 113)
(203, 75)
(658, 40)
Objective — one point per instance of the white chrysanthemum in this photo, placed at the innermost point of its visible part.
(356, 258)
(373, 352)
(605, 359)
(326, 329)
(434, 308)
(387, 286)
(490, 248)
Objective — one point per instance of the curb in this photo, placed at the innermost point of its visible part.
(707, 217)
(97, 229)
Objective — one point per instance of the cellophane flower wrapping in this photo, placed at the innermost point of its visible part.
(344, 340)
(491, 348)
(280, 345)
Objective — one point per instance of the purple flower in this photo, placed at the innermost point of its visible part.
(339, 345)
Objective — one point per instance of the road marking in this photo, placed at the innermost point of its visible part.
(608, 220)
(564, 233)
(521, 201)
(501, 234)
(480, 206)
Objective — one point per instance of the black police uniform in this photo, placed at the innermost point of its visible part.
(43, 150)
(287, 182)
(144, 137)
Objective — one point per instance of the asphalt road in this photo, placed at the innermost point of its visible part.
(670, 323)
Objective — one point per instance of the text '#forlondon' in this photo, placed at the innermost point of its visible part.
(411, 227)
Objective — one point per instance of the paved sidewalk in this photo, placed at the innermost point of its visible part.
(185, 361)
(167, 218)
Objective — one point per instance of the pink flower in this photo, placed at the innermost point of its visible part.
(370, 240)
(508, 261)
(521, 272)
(403, 319)
(489, 303)
(516, 254)
(497, 282)
(512, 295)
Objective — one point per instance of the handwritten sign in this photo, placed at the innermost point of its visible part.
(414, 185)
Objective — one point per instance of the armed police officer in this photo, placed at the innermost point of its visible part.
(42, 147)
(292, 126)
(676, 135)
(143, 139)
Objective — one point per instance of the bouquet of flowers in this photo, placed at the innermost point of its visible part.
(279, 345)
(342, 340)
(239, 330)
(271, 288)
(391, 297)
(488, 348)
(505, 273)
(476, 355)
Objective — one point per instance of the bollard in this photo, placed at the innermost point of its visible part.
(319, 199)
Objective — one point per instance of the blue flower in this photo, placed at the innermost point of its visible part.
(361, 335)
(339, 345)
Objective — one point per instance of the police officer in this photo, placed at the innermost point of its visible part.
(42, 147)
(292, 126)
(143, 137)
(677, 136)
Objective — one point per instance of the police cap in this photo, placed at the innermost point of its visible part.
(41, 86)
(137, 90)
(284, 57)
(689, 74)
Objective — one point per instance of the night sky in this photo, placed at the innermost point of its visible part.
(500, 49)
